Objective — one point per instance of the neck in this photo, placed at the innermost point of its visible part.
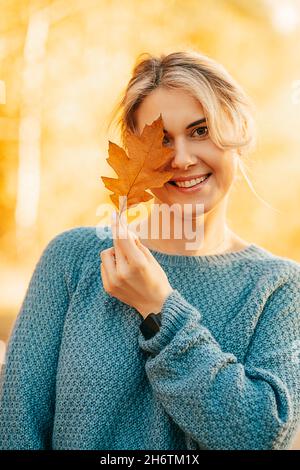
(211, 234)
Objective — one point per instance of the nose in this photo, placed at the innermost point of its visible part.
(182, 159)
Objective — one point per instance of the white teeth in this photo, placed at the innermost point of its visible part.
(188, 184)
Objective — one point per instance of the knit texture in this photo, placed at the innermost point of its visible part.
(222, 373)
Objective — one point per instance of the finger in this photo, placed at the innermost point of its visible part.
(121, 238)
(137, 254)
(126, 245)
(119, 225)
(109, 264)
(144, 250)
(113, 224)
(118, 231)
(122, 218)
(105, 280)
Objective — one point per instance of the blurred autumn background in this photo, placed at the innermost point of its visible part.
(64, 64)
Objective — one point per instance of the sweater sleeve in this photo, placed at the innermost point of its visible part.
(221, 403)
(27, 382)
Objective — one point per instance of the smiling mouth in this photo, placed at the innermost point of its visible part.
(193, 182)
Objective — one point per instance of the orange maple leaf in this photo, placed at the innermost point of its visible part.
(141, 169)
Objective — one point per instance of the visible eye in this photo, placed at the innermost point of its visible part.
(202, 128)
(164, 142)
(203, 133)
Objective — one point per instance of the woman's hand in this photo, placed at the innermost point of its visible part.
(131, 273)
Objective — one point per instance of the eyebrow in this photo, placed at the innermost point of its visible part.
(193, 123)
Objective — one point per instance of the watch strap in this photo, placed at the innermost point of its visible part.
(151, 325)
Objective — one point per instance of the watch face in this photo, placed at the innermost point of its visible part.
(151, 325)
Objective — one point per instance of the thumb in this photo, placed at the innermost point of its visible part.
(144, 249)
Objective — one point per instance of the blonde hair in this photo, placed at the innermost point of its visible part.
(227, 108)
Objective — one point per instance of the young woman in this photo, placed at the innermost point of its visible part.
(221, 370)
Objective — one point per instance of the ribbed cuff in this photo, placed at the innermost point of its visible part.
(176, 315)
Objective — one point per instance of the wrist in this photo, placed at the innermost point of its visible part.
(155, 307)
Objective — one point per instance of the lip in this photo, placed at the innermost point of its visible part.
(195, 188)
(192, 177)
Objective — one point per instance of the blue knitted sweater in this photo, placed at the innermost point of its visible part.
(222, 373)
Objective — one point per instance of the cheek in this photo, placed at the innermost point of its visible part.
(225, 167)
(210, 156)
(159, 192)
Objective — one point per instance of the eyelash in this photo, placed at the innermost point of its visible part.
(197, 128)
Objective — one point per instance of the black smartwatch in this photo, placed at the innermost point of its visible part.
(150, 325)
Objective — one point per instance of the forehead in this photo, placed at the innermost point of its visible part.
(178, 109)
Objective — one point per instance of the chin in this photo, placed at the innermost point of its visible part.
(161, 197)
